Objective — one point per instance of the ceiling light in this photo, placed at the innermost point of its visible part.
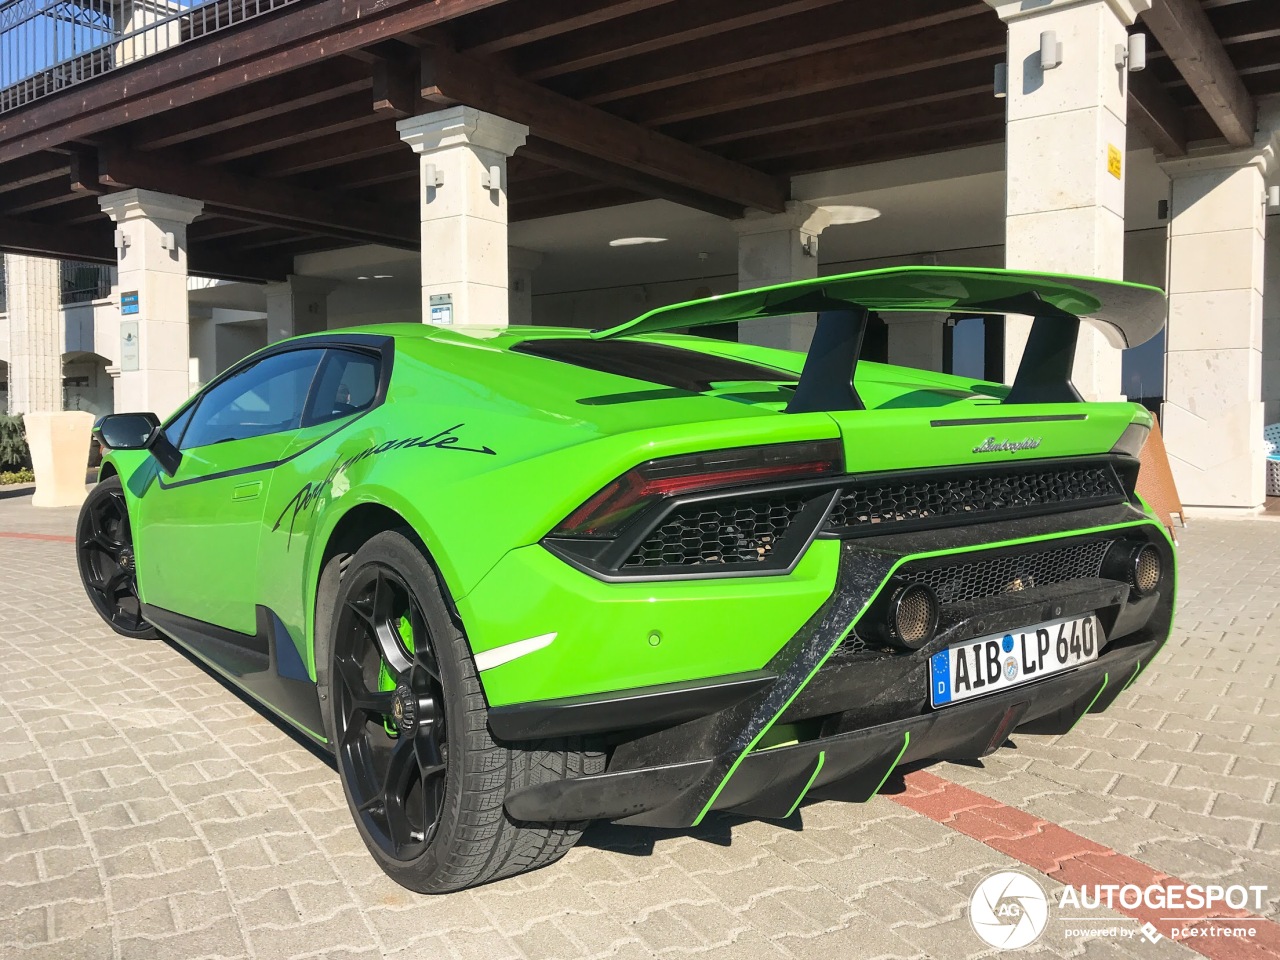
(635, 241)
(846, 213)
(382, 276)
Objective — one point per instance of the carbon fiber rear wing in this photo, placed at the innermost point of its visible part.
(1127, 314)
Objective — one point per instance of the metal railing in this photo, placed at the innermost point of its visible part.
(49, 45)
(84, 282)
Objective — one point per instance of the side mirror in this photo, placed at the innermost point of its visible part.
(126, 431)
(138, 431)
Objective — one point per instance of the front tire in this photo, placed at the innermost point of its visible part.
(424, 779)
(104, 554)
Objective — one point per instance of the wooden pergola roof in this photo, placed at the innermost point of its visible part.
(285, 125)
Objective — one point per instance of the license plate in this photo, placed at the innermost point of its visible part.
(989, 664)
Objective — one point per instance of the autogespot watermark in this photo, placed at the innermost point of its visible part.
(1010, 910)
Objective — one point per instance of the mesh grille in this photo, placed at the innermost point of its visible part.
(871, 503)
(725, 532)
(991, 577)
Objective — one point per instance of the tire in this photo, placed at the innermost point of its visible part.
(104, 554)
(428, 799)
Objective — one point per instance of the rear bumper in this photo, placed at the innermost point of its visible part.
(856, 716)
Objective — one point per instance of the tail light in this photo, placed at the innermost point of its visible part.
(747, 510)
(605, 513)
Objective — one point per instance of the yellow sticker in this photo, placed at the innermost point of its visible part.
(1115, 161)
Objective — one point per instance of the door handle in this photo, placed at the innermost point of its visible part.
(247, 491)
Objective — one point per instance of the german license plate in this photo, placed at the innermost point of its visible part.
(989, 664)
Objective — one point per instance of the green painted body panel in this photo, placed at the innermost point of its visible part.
(604, 631)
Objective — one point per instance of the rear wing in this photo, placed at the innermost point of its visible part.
(1126, 313)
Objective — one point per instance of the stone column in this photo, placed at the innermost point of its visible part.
(35, 334)
(916, 339)
(1213, 411)
(779, 248)
(462, 155)
(297, 306)
(204, 348)
(155, 350)
(522, 265)
(1065, 163)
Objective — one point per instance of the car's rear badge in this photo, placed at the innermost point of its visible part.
(311, 491)
(1006, 446)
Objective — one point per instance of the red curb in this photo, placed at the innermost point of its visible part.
(53, 537)
(1069, 858)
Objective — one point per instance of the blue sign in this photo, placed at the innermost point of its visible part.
(129, 303)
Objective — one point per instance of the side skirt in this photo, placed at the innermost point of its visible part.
(266, 664)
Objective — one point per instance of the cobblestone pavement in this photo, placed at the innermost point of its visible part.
(147, 812)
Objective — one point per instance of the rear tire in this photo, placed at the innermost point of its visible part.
(427, 793)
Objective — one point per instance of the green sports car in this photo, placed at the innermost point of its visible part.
(521, 579)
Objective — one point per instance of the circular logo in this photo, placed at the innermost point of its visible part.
(1008, 910)
(1010, 668)
(404, 707)
(1007, 643)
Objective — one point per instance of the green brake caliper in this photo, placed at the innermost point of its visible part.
(385, 680)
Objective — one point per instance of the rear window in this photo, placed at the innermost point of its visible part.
(657, 363)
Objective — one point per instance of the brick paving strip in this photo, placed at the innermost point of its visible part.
(1072, 859)
(53, 537)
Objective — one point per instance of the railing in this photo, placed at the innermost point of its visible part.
(49, 45)
(83, 282)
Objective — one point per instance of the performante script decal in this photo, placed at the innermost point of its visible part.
(313, 491)
(1007, 446)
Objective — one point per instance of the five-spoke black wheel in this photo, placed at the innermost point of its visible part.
(388, 709)
(424, 778)
(104, 552)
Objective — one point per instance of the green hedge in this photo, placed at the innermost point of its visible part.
(14, 454)
(19, 476)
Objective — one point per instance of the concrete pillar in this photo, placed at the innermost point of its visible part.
(204, 347)
(1065, 163)
(916, 340)
(154, 357)
(522, 264)
(779, 248)
(463, 156)
(1213, 411)
(35, 332)
(298, 305)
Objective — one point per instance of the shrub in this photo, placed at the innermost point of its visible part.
(20, 476)
(14, 454)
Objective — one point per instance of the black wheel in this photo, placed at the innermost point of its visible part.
(424, 779)
(104, 552)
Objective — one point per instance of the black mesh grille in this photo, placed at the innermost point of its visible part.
(736, 531)
(990, 577)
(878, 503)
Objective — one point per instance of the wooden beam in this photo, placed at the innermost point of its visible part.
(84, 172)
(1183, 29)
(892, 29)
(595, 199)
(257, 101)
(642, 33)
(261, 201)
(975, 38)
(451, 76)
(299, 126)
(1155, 115)
(521, 23)
(90, 243)
(396, 89)
(830, 108)
(210, 260)
(51, 193)
(28, 171)
(595, 171)
(896, 146)
(189, 73)
(328, 151)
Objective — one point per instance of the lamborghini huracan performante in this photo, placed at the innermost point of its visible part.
(519, 579)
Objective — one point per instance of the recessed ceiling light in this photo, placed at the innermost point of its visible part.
(846, 213)
(362, 278)
(635, 241)
(383, 276)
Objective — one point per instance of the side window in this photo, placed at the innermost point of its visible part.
(267, 397)
(347, 384)
(178, 425)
